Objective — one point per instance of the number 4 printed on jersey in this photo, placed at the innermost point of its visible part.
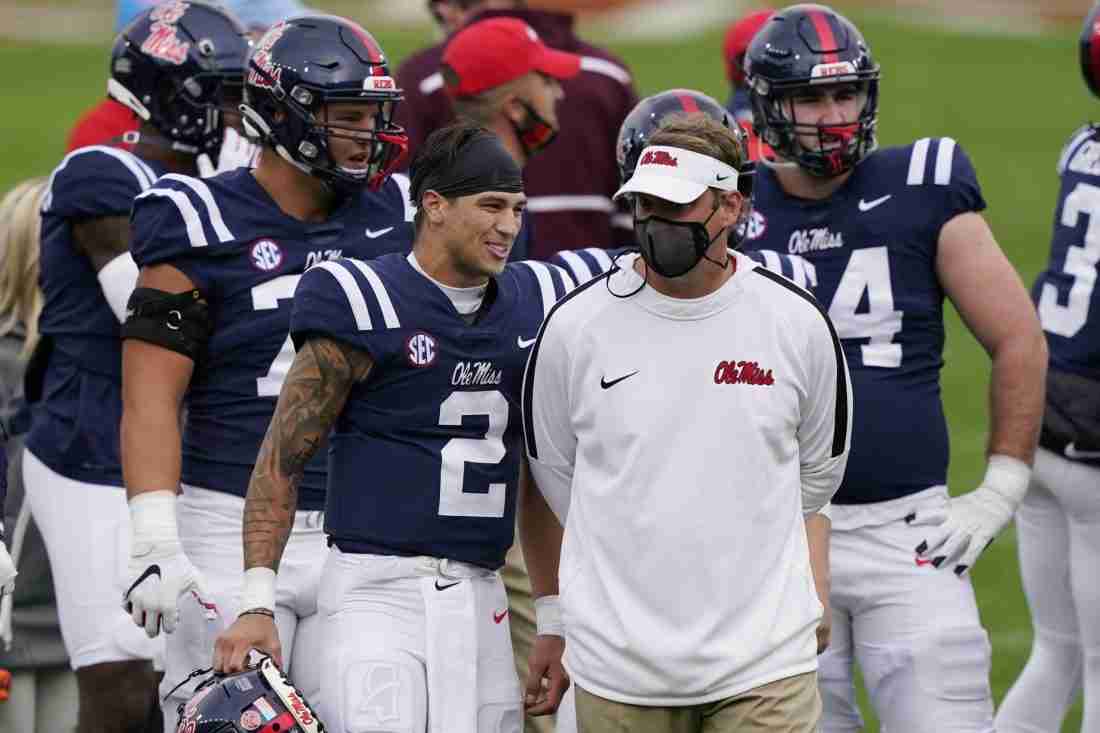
(266, 296)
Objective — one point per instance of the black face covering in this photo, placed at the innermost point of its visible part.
(535, 133)
(673, 248)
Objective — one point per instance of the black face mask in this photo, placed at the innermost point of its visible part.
(673, 248)
(535, 133)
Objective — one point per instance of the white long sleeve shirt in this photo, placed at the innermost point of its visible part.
(681, 442)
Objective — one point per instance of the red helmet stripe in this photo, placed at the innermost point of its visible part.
(372, 48)
(824, 35)
(1094, 50)
(688, 103)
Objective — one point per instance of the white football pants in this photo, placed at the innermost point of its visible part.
(1058, 526)
(210, 532)
(913, 629)
(415, 645)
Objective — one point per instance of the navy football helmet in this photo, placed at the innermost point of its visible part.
(259, 700)
(175, 66)
(1090, 50)
(803, 46)
(301, 66)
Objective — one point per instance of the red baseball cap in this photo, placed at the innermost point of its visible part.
(495, 51)
(738, 37)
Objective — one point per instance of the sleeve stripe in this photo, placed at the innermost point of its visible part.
(389, 315)
(529, 373)
(603, 259)
(431, 84)
(917, 161)
(546, 285)
(203, 192)
(550, 204)
(142, 172)
(772, 261)
(576, 265)
(944, 156)
(605, 67)
(191, 220)
(840, 410)
(1071, 147)
(351, 289)
(566, 280)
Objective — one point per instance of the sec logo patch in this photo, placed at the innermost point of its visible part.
(266, 255)
(251, 720)
(421, 350)
(756, 225)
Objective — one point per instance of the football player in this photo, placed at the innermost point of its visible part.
(170, 67)
(889, 233)
(1058, 525)
(209, 327)
(414, 363)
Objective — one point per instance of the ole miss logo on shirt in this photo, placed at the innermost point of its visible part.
(742, 372)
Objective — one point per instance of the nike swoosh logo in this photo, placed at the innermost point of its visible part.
(372, 234)
(498, 617)
(868, 205)
(1072, 452)
(445, 587)
(524, 343)
(608, 385)
(720, 178)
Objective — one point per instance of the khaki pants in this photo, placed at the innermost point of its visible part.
(521, 618)
(790, 705)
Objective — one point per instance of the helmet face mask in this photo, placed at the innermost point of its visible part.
(172, 66)
(300, 74)
(802, 52)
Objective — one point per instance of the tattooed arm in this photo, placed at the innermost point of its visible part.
(312, 397)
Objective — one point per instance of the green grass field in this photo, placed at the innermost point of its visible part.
(1011, 102)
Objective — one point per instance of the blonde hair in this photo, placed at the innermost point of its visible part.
(700, 133)
(20, 226)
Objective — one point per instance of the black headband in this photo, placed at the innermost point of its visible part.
(479, 166)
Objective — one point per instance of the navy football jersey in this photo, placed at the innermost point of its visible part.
(1065, 292)
(424, 459)
(75, 424)
(246, 256)
(872, 248)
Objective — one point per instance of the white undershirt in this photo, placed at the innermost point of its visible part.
(465, 300)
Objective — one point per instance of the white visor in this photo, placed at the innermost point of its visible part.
(678, 175)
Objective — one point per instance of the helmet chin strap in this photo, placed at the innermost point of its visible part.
(133, 137)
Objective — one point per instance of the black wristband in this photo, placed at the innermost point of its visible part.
(258, 612)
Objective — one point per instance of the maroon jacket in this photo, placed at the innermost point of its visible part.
(569, 185)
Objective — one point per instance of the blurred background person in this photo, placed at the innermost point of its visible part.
(739, 35)
(1058, 523)
(42, 697)
(499, 75)
(569, 203)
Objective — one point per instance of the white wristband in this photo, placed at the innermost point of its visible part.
(548, 616)
(1008, 477)
(259, 589)
(117, 279)
(152, 521)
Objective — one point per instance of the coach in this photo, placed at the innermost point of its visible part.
(687, 417)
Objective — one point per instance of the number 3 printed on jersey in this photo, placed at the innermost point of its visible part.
(1066, 320)
(266, 296)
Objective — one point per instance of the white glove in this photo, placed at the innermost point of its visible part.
(236, 152)
(7, 569)
(159, 571)
(968, 523)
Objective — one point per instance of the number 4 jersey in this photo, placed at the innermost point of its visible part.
(246, 257)
(425, 456)
(870, 249)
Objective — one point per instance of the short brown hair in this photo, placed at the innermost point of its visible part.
(701, 134)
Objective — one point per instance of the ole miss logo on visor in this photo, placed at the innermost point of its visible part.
(659, 157)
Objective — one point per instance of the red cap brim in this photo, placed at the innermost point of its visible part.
(558, 64)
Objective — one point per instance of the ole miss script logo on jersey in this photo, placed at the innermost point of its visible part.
(742, 372)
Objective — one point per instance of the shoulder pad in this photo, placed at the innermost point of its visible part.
(550, 281)
(179, 215)
(96, 181)
(1082, 153)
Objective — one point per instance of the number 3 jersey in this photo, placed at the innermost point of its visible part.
(1069, 305)
(871, 250)
(425, 456)
(246, 257)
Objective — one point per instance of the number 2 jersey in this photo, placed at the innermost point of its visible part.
(425, 456)
(75, 421)
(246, 257)
(871, 250)
(1066, 296)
